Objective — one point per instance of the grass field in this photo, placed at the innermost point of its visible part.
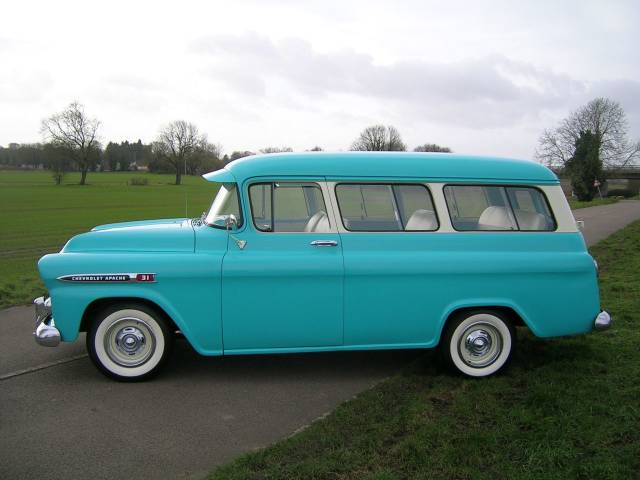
(38, 217)
(568, 408)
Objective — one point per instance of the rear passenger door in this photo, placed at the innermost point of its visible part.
(389, 267)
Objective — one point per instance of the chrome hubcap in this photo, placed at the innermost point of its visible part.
(129, 342)
(480, 344)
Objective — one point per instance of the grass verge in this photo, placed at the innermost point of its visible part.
(576, 204)
(567, 408)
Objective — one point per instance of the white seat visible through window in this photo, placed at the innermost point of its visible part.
(495, 218)
(319, 222)
(531, 220)
(422, 220)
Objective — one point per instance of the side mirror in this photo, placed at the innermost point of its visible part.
(231, 223)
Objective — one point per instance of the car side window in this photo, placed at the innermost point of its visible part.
(226, 203)
(495, 208)
(530, 209)
(386, 207)
(288, 207)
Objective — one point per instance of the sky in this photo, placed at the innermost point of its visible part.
(482, 77)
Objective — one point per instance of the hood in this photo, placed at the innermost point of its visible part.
(167, 235)
(163, 222)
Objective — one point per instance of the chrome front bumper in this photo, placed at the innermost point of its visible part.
(45, 332)
(602, 321)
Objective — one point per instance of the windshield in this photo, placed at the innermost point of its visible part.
(225, 204)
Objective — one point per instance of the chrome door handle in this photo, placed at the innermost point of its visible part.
(324, 243)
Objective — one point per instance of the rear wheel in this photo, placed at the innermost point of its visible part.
(129, 342)
(478, 343)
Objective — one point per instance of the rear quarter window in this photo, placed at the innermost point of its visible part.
(498, 208)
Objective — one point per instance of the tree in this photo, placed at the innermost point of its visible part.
(316, 149)
(236, 154)
(276, 149)
(57, 161)
(585, 166)
(605, 119)
(205, 158)
(74, 131)
(176, 144)
(431, 147)
(379, 138)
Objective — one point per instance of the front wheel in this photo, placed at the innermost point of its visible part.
(129, 342)
(478, 343)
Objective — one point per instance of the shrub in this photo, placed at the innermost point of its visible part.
(620, 192)
(139, 181)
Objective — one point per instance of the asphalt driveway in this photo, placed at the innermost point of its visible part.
(59, 418)
(602, 221)
(67, 421)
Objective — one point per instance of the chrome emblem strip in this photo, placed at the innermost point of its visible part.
(109, 278)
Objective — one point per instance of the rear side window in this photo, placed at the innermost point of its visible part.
(530, 209)
(288, 207)
(386, 207)
(493, 208)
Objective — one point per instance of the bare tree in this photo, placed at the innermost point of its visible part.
(236, 154)
(431, 147)
(76, 133)
(379, 138)
(276, 149)
(602, 117)
(205, 158)
(177, 143)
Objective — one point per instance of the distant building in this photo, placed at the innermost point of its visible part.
(14, 146)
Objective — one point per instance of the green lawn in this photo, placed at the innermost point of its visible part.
(568, 408)
(38, 217)
(576, 204)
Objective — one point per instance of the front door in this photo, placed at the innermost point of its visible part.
(283, 290)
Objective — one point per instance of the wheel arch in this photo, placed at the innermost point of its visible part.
(100, 304)
(512, 312)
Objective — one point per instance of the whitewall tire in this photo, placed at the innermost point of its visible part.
(478, 343)
(129, 342)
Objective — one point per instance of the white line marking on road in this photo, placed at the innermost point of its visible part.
(24, 371)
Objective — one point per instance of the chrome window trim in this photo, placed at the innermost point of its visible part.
(557, 202)
(510, 212)
(325, 194)
(331, 185)
(240, 209)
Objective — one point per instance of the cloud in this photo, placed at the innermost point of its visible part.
(19, 86)
(485, 92)
(627, 92)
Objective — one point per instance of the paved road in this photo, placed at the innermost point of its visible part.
(67, 421)
(59, 418)
(602, 221)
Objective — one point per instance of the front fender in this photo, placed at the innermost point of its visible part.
(187, 288)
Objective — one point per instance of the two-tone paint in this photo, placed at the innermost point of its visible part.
(353, 290)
